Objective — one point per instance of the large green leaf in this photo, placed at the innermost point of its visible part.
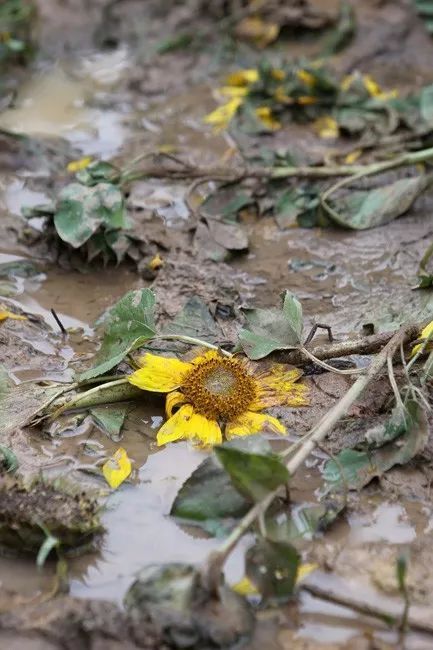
(194, 320)
(272, 329)
(253, 474)
(128, 325)
(110, 419)
(209, 500)
(81, 210)
(363, 209)
(272, 567)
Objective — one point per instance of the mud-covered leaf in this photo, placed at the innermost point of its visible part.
(194, 320)
(272, 567)
(20, 403)
(363, 209)
(110, 419)
(117, 468)
(272, 329)
(230, 236)
(253, 474)
(129, 324)
(81, 210)
(356, 468)
(209, 500)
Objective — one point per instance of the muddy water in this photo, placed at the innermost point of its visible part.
(342, 278)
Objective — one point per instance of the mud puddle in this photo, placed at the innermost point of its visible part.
(342, 279)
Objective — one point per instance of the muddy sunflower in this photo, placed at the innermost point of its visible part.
(214, 393)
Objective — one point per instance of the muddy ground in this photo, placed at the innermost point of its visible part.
(98, 88)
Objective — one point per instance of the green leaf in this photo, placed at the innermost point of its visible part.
(110, 419)
(82, 210)
(10, 461)
(254, 475)
(272, 567)
(97, 172)
(237, 203)
(209, 500)
(343, 31)
(194, 320)
(128, 325)
(401, 571)
(272, 329)
(426, 104)
(357, 468)
(363, 209)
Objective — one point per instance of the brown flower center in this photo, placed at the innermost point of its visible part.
(219, 388)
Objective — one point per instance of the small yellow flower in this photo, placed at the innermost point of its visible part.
(265, 116)
(306, 77)
(326, 127)
(243, 77)
(214, 394)
(78, 165)
(221, 117)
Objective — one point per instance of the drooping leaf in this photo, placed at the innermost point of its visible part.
(357, 468)
(253, 474)
(81, 210)
(129, 324)
(194, 320)
(363, 209)
(273, 567)
(117, 468)
(110, 419)
(272, 329)
(208, 499)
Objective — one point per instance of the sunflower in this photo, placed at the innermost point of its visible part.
(214, 392)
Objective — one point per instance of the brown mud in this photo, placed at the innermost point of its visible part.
(116, 105)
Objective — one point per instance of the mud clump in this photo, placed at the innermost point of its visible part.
(26, 512)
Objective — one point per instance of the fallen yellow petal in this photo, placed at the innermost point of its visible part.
(306, 77)
(353, 156)
(265, 116)
(243, 77)
(306, 100)
(304, 570)
(117, 468)
(371, 86)
(5, 313)
(221, 117)
(233, 91)
(347, 82)
(247, 588)
(156, 263)
(78, 165)
(426, 333)
(253, 28)
(326, 127)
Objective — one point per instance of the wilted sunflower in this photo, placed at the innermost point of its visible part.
(213, 392)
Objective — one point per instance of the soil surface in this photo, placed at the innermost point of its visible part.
(98, 87)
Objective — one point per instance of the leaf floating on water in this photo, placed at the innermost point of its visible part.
(110, 419)
(273, 568)
(117, 468)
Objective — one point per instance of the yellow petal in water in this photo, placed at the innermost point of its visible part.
(117, 468)
(5, 313)
(78, 165)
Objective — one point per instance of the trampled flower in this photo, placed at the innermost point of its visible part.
(215, 394)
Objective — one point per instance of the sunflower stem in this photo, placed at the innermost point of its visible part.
(192, 341)
(82, 399)
(216, 560)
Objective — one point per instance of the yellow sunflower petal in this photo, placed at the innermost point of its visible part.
(278, 387)
(306, 77)
(5, 313)
(78, 165)
(191, 426)
(249, 423)
(425, 334)
(117, 468)
(326, 127)
(176, 427)
(172, 400)
(242, 77)
(221, 117)
(159, 374)
(264, 114)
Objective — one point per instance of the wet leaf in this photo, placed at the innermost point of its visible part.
(362, 209)
(254, 475)
(110, 420)
(343, 32)
(208, 499)
(117, 468)
(128, 325)
(272, 567)
(10, 461)
(360, 467)
(82, 210)
(236, 204)
(96, 172)
(194, 320)
(230, 236)
(426, 104)
(272, 329)
(20, 403)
